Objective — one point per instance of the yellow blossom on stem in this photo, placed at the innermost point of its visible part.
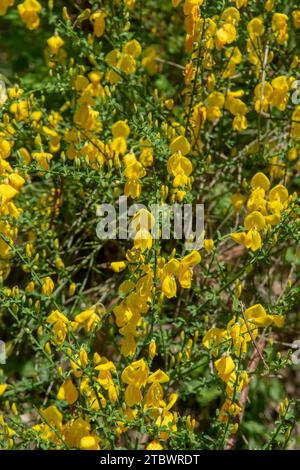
(29, 12)
(87, 318)
(55, 43)
(98, 21)
(68, 392)
(47, 286)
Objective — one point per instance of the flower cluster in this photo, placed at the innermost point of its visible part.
(262, 212)
(239, 333)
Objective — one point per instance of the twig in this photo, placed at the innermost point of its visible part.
(254, 361)
(173, 64)
(252, 337)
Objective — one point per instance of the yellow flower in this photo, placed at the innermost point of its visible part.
(180, 144)
(155, 444)
(169, 104)
(235, 57)
(55, 43)
(279, 193)
(185, 271)
(81, 82)
(169, 287)
(215, 99)
(7, 192)
(48, 286)
(146, 157)
(258, 316)
(180, 167)
(263, 96)
(60, 326)
(135, 376)
(135, 171)
(51, 426)
(192, 259)
(295, 128)
(136, 373)
(4, 4)
(152, 349)
(154, 396)
(57, 316)
(236, 106)
(241, 3)
(87, 318)
(80, 363)
(256, 311)
(133, 395)
(255, 221)
(213, 337)
(229, 409)
(279, 97)
(86, 117)
(98, 20)
(269, 4)
(77, 433)
(127, 64)
(120, 129)
(5, 148)
(130, 3)
(89, 443)
(158, 376)
(260, 180)
(3, 387)
(43, 159)
(52, 415)
(16, 181)
(215, 103)
(239, 123)
(68, 392)
(256, 27)
(143, 240)
(238, 201)
(118, 145)
(72, 289)
(208, 245)
(112, 57)
(225, 35)
(132, 48)
(118, 266)
(279, 21)
(256, 201)
(253, 240)
(280, 27)
(231, 15)
(185, 276)
(29, 11)
(296, 19)
(123, 314)
(225, 367)
(133, 188)
(128, 345)
(93, 395)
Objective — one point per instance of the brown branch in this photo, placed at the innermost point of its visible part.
(254, 361)
(58, 200)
